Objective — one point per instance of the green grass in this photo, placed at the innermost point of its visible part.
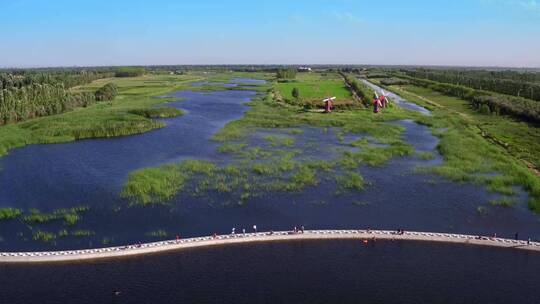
(278, 141)
(69, 216)
(44, 236)
(126, 115)
(351, 181)
(522, 139)
(505, 202)
(305, 176)
(314, 88)
(470, 157)
(232, 147)
(9, 213)
(157, 233)
(425, 155)
(161, 112)
(154, 185)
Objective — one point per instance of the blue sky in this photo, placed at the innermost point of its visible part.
(122, 32)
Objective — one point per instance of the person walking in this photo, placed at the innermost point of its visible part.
(244, 231)
(528, 241)
(233, 230)
(255, 228)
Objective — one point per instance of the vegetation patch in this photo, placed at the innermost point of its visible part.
(69, 216)
(157, 233)
(9, 213)
(162, 112)
(470, 157)
(87, 119)
(44, 236)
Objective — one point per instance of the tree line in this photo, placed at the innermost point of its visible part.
(286, 73)
(484, 101)
(513, 83)
(26, 94)
(361, 90)
(69, 79)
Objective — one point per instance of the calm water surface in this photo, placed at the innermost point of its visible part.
(289, 272)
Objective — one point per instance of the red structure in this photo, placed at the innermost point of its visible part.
(376, 105)
(328, 104)
(382, 99)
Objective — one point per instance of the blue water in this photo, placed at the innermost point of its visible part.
(92, 172)
(289, 272)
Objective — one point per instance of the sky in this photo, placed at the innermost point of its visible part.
(38, 33)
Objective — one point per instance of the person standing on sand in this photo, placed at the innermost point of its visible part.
(233, 230)
(255, 228)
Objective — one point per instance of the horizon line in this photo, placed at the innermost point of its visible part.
(268, 64)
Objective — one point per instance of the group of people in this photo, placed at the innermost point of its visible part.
(233, 231)
(295, 230)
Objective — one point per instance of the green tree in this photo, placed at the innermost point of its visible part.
(107, 92)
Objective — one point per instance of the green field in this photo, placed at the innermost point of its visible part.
(315, 87)
(520, 138)
(470, 156)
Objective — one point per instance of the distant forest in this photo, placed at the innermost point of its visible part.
(507, 82)
(28, 94)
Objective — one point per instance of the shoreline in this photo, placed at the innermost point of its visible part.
(219, 240)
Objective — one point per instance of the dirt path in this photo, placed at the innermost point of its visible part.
(222, 240)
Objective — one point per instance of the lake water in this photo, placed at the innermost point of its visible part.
(92, 172)
(289, 272)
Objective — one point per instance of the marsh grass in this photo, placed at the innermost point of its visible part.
(350, 181)
(126, 115)
(44, 236)
(504, 202)
(157, 233)
(425, 155)
(469, 157)
(161, 112)
(9, 213)
(69, 216)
